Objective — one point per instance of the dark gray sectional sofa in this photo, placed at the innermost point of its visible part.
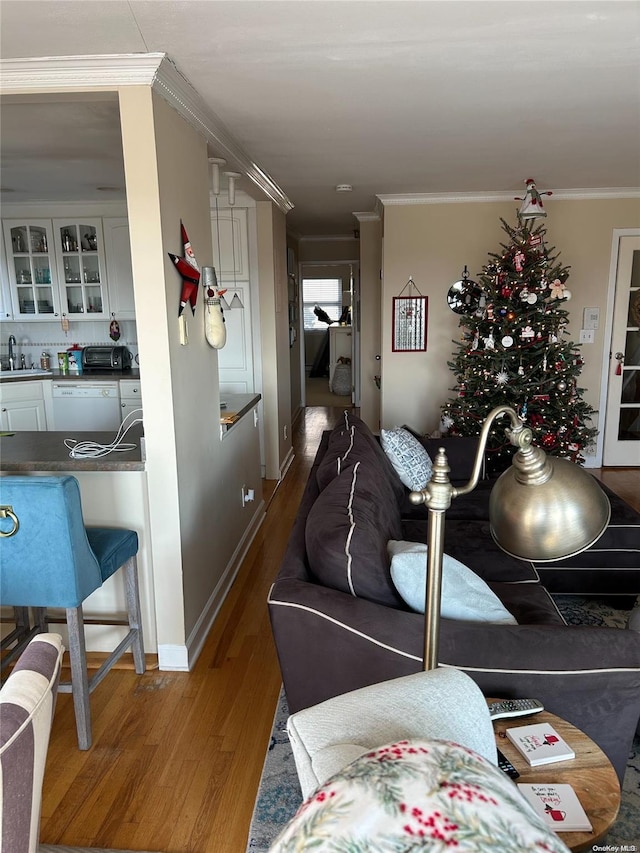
(339, 623)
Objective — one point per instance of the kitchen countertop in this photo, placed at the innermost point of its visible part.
(46, 451)
(237, 406)
(106, 375)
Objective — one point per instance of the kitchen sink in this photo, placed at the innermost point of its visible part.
(24, 374)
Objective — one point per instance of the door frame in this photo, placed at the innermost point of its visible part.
(355, 324)
(618, 234)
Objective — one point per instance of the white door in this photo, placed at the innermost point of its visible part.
(622, 421)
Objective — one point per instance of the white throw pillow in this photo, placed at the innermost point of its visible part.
(465, 596)
(409, 458)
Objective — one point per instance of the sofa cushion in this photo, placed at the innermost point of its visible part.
(410, 460)
(347, 532)
(464, 594)
(352, 441)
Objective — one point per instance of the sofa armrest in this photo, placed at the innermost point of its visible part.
(330, 643)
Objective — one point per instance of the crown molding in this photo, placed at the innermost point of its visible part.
(464, 198)
(112, 71)
(367, 216)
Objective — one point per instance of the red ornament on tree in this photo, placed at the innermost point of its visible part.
(548, 439)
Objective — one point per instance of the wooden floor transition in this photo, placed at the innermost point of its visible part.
(177, 757)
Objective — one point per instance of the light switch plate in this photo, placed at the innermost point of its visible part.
(587, 336)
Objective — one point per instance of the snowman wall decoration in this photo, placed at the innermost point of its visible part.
(214, 327)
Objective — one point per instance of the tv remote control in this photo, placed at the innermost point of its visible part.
(514, 708)
(506, 766)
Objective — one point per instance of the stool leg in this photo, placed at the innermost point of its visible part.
(42, 619)
(135, 615)
(79, 675)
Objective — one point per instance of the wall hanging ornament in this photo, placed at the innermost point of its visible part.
(409, 332)
(114, 329)
(531, 207)
(465, 296)
(188, 268)
(214, 326)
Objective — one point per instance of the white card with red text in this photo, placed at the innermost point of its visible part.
(558, 806)
(540, 744)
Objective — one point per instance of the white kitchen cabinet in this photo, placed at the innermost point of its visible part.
(80, 262)
(22, 406)
(229, 232)
(130, 397)
(31, 269)
(117, 249)
(5, 297)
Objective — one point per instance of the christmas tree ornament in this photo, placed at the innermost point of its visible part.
(502, 377)
(532, 298)
(566, 294)
(507, 341)
(511, 315)
(527, 333)
(518, 260)
(520, 368)
(544, 360)
(561, 385)
(556, 289)
(531, 207)
(464, 296)
(489, 342)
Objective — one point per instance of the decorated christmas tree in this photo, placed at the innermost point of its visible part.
(514, 350)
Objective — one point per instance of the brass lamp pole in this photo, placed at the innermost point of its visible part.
(540, 509)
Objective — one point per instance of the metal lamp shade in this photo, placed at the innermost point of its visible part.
(544, 509)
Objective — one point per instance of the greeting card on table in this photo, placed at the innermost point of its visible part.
(558, 805)
(540, 744)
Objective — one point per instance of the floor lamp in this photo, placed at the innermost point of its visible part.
(541, 509)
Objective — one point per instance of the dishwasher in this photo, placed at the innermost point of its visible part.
(86, 406)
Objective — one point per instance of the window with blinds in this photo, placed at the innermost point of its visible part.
(326, 293)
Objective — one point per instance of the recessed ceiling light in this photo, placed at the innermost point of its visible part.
(343, 188)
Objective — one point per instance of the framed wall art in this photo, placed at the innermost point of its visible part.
(409, 332)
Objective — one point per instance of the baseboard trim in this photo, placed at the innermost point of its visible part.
(200, 632)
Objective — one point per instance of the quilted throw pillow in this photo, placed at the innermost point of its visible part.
(408, 457)
(418, 795)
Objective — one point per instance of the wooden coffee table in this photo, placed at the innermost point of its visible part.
(590, 773)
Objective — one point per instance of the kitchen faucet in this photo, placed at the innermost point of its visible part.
(12, 355)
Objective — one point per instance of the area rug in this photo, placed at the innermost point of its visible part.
(279, 793)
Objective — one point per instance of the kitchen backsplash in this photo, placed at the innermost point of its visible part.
(34, 338)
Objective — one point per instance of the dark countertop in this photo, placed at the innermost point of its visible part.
(46, 451)
(237, 406)
(27, 375)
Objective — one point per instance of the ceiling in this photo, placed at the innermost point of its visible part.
(392, 96)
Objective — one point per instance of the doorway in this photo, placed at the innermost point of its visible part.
(622, 416)
(329, 332)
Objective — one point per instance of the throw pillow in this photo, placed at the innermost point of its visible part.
(465, 596)
(347, 532)
(418, 795)
(408, 457)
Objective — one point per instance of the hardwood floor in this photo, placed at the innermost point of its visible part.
(177, 757)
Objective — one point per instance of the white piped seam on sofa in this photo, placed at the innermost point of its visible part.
(352, 526)
(419, 659)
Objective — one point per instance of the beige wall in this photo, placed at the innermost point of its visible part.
(274, 327)
(433, 242)
(191, 519)
(328, 249)
(370, 302)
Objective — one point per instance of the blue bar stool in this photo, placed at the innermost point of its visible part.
(49, 559)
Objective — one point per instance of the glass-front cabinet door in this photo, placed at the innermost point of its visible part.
(81, 268)
(29, 250)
